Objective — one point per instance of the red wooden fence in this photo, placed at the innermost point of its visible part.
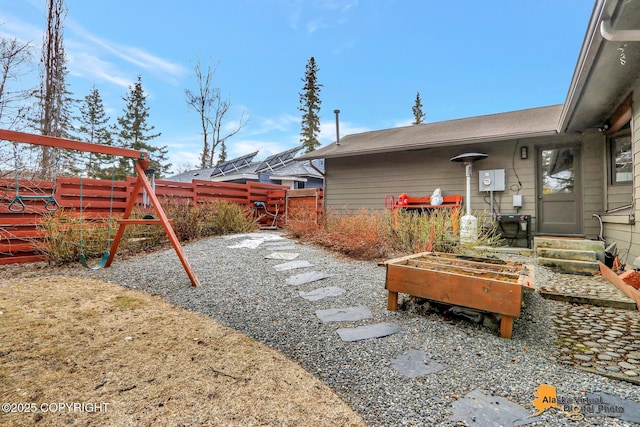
(19, 233)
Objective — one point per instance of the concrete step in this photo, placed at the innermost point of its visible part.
(567, 254)
(568, 243)
(570, 266)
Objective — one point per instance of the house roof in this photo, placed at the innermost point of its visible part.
(494, 127)
(298, 169)
(278, 160)
(606, 70)
(278, 165)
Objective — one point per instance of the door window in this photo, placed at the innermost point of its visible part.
(558, 172)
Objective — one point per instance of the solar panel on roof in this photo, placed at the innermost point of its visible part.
(233, 164)
(278, 160)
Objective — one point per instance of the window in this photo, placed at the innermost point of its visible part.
(621, 163)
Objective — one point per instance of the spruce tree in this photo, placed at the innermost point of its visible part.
(417, 111)
(310, 107)
(222, 156)
(132, 131)
(94, 128)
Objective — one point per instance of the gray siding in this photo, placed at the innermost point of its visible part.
(364, 181)
(593, 181)
(627, 236)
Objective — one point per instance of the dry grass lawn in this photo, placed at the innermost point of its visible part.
(142, 362)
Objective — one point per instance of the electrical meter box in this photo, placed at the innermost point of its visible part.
(492, 180)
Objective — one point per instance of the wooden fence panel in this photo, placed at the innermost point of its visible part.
(102, 198)
(212, 190)
(304, 205)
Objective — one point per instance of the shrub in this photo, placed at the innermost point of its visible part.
(379, 234)
(67, 235)
(212, 218)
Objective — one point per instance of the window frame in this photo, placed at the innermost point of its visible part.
(611, 163)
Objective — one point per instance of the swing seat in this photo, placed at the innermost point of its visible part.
(99, 265)
(17, 204)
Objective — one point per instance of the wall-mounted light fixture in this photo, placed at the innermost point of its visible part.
(524, 152)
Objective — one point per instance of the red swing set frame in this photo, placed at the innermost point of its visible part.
(142, 164)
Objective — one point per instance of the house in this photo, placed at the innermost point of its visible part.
(568, 162)
(281, 168)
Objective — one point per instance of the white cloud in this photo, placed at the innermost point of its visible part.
(84, 41)
(281, 123)
(90, 67)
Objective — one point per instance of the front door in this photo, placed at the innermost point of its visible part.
(559, 209)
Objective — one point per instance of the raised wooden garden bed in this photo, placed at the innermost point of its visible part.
(486, 284)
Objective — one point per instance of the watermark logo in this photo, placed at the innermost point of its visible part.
(546, 397)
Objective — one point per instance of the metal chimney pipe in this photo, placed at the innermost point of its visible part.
(337, 127)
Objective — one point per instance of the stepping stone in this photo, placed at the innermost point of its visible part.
(609, 405)
(287, 247)
(346, 314)
(283, 255)
(291, 265)
(478, 409)
(247, 244)
(322, 293)
(252, 241)
(369, 331)
(278, 244)
(311, 276)
(262, 236)
(411, 364)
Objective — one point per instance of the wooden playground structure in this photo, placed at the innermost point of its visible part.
(141, 183)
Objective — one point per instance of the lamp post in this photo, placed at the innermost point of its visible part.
(468, 223)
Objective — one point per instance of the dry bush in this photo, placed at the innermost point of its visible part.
(67, 235)
(212, 218)
(374, 235)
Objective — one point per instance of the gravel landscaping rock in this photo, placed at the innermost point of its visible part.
(241, 289)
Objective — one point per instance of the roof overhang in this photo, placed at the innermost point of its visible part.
(235, 177)
(606, 70)
(333, 151)
(288, 178)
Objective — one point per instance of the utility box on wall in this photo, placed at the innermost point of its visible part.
(491, 180)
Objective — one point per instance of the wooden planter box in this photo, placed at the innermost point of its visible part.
(485, 284)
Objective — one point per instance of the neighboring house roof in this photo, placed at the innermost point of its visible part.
(279, 160)
(504, 126)
(298, 170)
(278, 166)
(239, 165)
(606, 69)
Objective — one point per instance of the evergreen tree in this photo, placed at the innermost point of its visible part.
(132, 131)
(417, 111)
(222, 157)
(310, 107)
(93, 128)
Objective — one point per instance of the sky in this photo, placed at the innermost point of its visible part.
(465, 58)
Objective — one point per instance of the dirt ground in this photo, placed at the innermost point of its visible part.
(88, 353)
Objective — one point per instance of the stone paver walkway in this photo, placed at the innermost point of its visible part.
(598, 327)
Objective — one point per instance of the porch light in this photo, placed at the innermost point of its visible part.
(524, 152)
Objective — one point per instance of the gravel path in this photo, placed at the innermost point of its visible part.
(241, 289)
